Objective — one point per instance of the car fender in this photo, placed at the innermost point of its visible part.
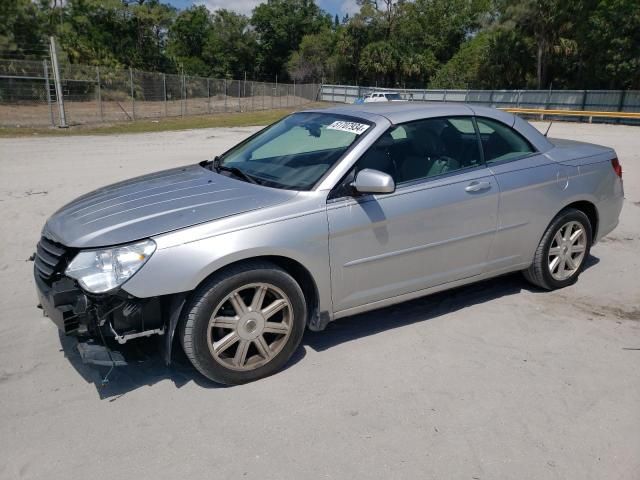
(186, 258)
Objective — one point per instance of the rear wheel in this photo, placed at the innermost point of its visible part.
(562, 251)
(244, 324)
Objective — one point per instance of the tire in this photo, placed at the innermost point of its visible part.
(233, 334)
(555, 243)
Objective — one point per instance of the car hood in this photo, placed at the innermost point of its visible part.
(155, 204)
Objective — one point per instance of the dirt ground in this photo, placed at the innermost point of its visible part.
(89, 112)
(491, 381)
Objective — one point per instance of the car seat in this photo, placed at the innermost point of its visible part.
(454, 146)
(431, 156)
(378, 157)
(495, 147)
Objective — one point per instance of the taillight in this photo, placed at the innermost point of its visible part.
(615, 163)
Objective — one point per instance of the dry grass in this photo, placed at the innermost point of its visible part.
(236, 119)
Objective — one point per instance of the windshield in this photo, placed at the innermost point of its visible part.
(393, 96)
(297, 151)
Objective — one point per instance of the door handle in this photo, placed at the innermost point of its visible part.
(477, 186)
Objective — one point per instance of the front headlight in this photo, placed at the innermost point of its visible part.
(99, 271)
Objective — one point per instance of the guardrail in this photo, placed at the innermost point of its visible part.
(619, 106)
(590, 114)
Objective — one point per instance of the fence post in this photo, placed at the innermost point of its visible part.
(583, 103)
(58, 84)
(225, 95)
(133, 101)
(263, 92)
(164, 88)
(239, 97)
(184, 93)
(623, 94)
(208, 97)
(444, 97)
(584, 100)
(48, 87)
(100, 111)
(546, 103)
(252, 97)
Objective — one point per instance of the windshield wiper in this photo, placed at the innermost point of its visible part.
(234, 170)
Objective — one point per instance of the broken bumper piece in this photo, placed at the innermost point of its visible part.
(93, 354)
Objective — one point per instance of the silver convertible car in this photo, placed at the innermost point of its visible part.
(324, 214)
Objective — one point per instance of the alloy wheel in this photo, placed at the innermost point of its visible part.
(250, 326)
(567, 250)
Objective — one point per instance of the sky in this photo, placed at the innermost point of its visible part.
(245, 6)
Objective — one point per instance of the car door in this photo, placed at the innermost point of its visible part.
(531, 186)
(435, 228)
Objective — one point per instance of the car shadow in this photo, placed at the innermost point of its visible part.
(419, 310)
(422, 309)
(146, 366)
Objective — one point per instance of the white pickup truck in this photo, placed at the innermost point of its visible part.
(383, 97)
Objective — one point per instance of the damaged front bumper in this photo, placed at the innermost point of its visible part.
(117, 315)
(97, 320)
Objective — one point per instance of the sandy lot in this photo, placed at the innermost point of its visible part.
(490, 381)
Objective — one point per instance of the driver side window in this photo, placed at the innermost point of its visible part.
(424, 148)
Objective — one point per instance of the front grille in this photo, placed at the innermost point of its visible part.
(51, 259)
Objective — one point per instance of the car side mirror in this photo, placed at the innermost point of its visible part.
(373, 181)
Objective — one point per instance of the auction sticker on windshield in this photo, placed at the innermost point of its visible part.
(352, 127)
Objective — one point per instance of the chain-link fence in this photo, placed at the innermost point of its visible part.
(97, 94)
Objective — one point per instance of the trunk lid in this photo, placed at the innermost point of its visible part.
(572, 152)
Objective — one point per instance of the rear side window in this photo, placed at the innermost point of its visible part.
(500, 142)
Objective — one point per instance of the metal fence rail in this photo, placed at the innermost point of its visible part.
(99, 94)
(585, 100)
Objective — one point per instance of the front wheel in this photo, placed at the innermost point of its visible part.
(562, 251)
(244, 324)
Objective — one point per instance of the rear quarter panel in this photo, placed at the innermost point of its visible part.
(534, 190)
(596, 178)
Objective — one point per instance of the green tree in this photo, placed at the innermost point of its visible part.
(466, 68)
(188, 37)
(546, 22)
(443, 43)
(608, 44)
(21, 29)
(231, 47)
(280, 26)
(380, 60)
(113, 33)
(314, 60)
